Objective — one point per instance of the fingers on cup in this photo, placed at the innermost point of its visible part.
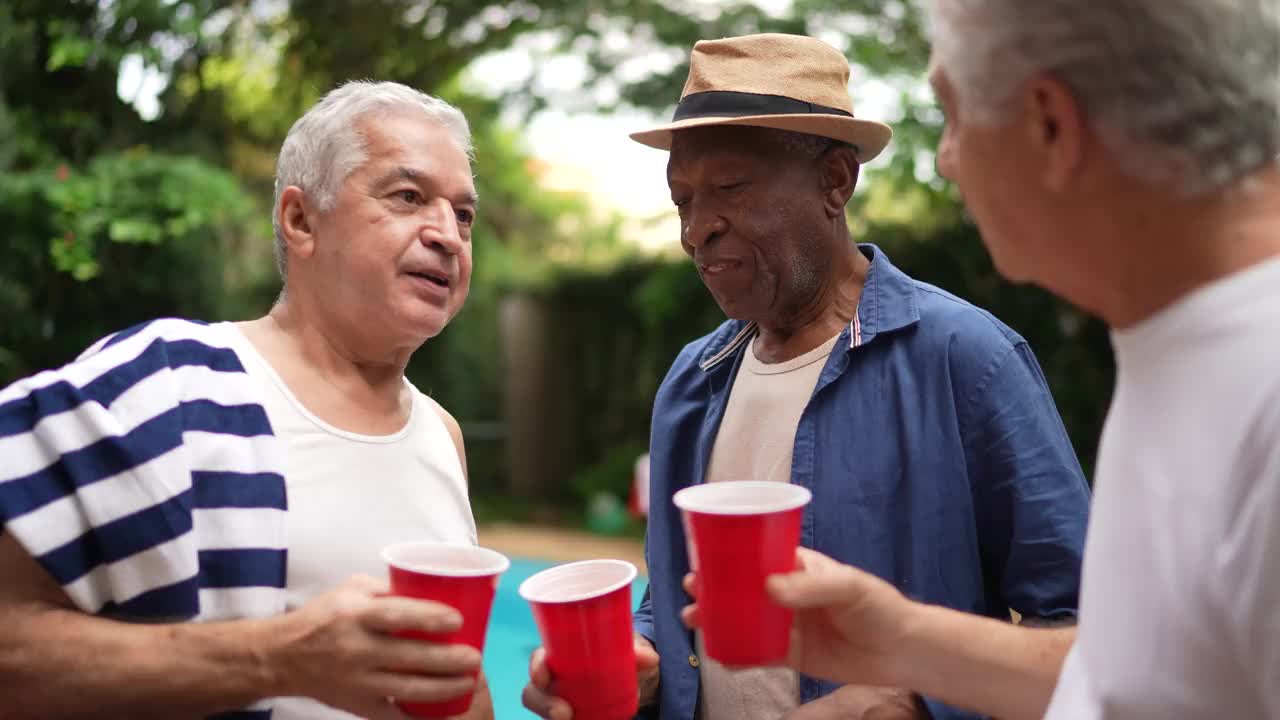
(691, 616)
(809, 589)
(429, 658)
(543, 704)
(407, 687)
(539, 673)
(394, 614)
(646, 656)
(690, 584)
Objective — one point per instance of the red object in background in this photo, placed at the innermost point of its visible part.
(738, 534)
(460, 576)
(583, 612)
(638, 501)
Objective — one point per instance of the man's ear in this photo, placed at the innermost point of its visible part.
(1054, 128)
(839, 177)
(294, 213)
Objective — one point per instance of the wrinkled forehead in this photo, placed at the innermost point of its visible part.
(416, 140)
(407, 126)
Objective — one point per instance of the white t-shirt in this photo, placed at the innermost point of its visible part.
(351, 495)
(1180, 602)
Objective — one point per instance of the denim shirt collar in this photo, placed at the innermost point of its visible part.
(888, 303)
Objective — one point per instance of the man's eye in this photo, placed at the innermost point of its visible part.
(466, 217)
(410, 196)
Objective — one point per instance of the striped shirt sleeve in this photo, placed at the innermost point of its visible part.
(143, 478)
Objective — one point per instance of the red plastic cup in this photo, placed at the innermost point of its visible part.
(583, 612)
(739, 533)
(463, 577)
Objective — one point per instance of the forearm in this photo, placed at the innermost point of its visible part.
(62, 663)
(984, 665)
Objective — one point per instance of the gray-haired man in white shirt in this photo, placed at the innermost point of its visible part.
(1122, 155)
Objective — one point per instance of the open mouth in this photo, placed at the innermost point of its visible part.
(718, 267)
(434, 278)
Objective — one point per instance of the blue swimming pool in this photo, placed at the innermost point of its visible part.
(513, 636)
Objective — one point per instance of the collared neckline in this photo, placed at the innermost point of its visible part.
(888, 303)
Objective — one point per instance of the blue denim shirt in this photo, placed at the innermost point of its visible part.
(934, 452)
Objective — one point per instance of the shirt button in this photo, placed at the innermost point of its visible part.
(693, 661)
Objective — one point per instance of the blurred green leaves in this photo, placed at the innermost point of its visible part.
(68, 51)
(129, 197)
(111, 218)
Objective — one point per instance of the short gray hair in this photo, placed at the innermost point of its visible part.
(325, 145)
(1186, 93)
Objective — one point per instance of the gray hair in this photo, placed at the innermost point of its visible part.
(325, 145)
(810, 147)
(1186, 93)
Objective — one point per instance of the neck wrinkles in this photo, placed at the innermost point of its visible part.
(832, 307)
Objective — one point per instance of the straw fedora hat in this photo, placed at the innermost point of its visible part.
(788, 82)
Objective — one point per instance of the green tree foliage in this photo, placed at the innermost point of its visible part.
(112, 217)
(124, 239)
(102, 231)
(904, 207)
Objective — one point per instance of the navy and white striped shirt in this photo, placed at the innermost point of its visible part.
(144, 477)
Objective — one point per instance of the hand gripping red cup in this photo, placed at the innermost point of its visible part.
(464, 577)
(739, 533)
(583, 612)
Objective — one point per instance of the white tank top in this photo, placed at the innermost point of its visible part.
(351, 495)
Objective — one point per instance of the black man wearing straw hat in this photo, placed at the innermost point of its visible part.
(921, 424)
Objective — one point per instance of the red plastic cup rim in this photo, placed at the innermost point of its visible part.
(546, 587)
(445, 559)
(742, 497)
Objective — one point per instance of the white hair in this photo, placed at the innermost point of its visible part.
(1185, 93)
(326, 144)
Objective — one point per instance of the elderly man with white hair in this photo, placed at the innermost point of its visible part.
(1123, 156)
(191, 513)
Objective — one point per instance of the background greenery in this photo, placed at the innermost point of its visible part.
(110, 218)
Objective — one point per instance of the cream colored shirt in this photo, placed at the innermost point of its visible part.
(755, 442)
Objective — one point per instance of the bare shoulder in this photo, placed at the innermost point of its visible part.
(451, 424)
